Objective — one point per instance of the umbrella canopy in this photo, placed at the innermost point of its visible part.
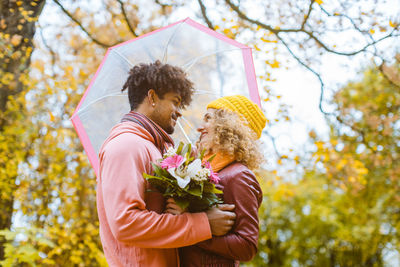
(218, 66)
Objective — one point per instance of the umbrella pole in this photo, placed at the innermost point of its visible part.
(187, 137)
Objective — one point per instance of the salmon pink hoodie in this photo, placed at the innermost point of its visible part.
(133, 229)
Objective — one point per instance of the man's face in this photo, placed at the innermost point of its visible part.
(167, 111)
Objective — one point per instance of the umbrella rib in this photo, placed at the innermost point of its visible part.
(199, 92)
(165, 58)
(94, 101)
(122, 57)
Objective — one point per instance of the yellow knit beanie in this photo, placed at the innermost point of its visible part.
(244, 107)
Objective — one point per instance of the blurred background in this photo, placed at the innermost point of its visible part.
(329, 78)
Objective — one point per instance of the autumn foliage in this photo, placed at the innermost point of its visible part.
(340, 206)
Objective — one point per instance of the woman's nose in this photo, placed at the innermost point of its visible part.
(178, 113)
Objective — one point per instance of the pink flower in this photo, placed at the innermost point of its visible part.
(213, 175)
(172, 162)
(207, 165)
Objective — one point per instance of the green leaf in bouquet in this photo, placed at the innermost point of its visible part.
(201, 156)
(211, 158)
(182, 203)
(164, 179)
(170, 191)
(179, 150)
(186, 150)
(195, 190)
(158, 184)
(159, 171)
(210, 188)
(212, 199)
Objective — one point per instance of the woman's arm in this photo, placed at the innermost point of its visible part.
(241, 242)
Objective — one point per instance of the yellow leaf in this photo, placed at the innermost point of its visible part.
(257, 48)
(275, 64)
(393, 25)
(371, 31)
(16, 39)
(319, 2)
(51, 117)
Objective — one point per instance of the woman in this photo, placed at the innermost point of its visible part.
(230, 129)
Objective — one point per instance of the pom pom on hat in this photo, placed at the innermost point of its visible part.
(244, 107)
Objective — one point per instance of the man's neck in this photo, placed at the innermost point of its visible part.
(143, 110)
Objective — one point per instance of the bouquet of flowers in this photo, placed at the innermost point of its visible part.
(186, 179)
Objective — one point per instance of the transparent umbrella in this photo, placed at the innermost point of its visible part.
(217, 65)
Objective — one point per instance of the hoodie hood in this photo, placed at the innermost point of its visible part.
(128, 127)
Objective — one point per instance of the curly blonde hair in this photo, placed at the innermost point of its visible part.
(232, 136)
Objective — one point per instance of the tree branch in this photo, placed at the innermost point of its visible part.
(273, 141)
(204, 14)
(321, 97)
(95, 40)
(52, 53)
(310, 8)
(126, 18)
(302, 30)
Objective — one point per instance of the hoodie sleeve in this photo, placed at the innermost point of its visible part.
(240, 243)
(122, 163)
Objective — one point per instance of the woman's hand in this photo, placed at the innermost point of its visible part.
(173, 208)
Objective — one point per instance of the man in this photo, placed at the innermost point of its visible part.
(133, 229)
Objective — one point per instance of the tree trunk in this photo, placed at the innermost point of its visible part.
(17, 28)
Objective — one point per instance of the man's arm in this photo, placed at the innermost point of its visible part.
(123, 188)
(123, 161)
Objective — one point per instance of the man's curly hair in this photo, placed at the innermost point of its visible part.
(232, 136)
(162, 78)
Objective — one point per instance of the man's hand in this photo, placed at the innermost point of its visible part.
(221, 219)
(173, 208)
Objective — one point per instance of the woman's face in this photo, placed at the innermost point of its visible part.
(205, 129)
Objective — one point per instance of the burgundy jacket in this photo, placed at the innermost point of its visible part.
(241, 188)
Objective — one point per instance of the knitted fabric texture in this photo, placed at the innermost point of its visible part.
(244, 107)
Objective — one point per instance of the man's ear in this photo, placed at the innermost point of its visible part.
(152, 97)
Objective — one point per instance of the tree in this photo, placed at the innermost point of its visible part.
(17, 24)
(345, 210)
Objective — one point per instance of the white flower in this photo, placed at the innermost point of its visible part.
(184, 175)
(194, 168)
(205, 172)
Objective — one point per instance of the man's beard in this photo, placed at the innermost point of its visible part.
(168, 128)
